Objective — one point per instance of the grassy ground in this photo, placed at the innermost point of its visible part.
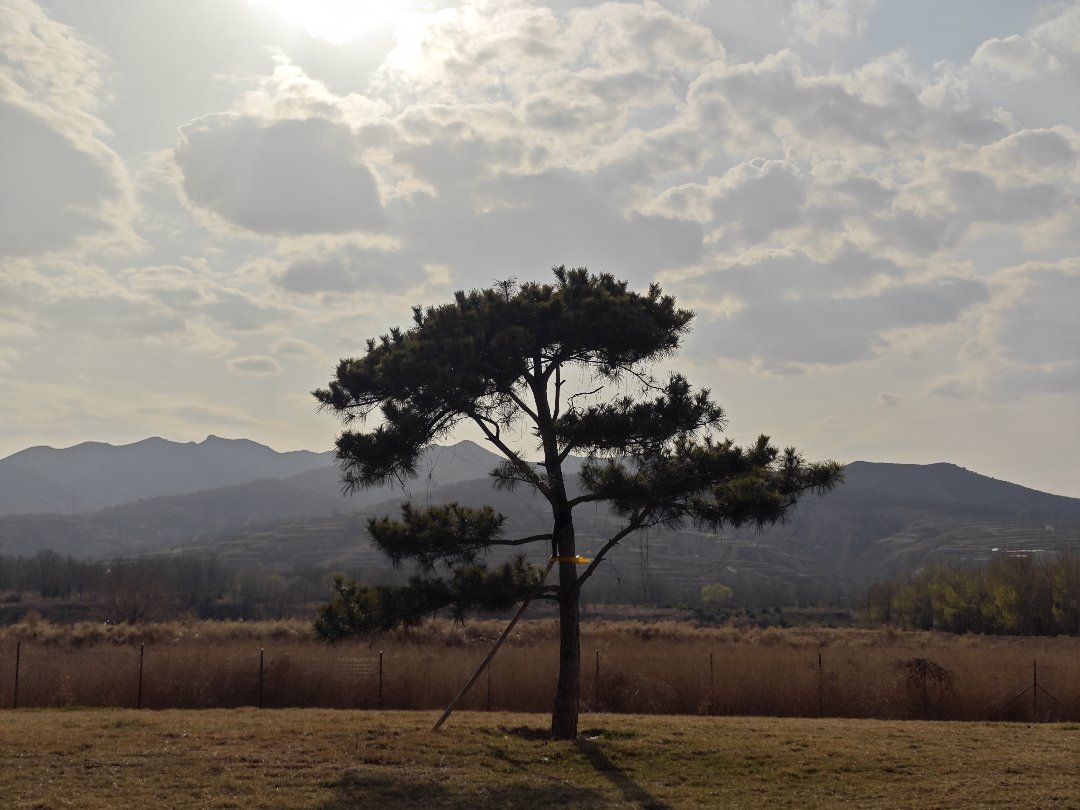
(336, 759)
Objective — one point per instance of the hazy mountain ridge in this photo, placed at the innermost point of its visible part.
(165, 522)
(885, 521)
(947, 487)
(93, 475)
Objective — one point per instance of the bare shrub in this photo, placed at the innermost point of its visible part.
(929, 686)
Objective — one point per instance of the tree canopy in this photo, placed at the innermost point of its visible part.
(1022, 593)
(574, 362)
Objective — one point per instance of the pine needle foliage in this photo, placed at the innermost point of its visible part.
(573, 362)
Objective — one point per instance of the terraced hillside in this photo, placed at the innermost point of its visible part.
(963, 542)
(887, 520)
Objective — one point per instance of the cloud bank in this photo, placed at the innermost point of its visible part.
(845, 211)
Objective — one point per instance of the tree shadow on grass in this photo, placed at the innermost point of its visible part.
(631, 790)
(392, 791)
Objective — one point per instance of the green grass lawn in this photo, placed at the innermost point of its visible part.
(335, 759)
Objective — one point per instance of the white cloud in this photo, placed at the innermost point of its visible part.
(780, 107)
(1039, 331)
(816, 20)
(8, 358)
(255, 365)
(192, 296)
(543, 220)
(295, 347)
(52, 193)
(51, 62)
(346, 268)
(887, 399)
(1047, 155)
(1059, 28)
(281, 177)
(72, 299)
(1016, 57)
(486, 48)
(849, 206)
(1050, 46)
(61, 187)
(1027, 338)
(795, 313)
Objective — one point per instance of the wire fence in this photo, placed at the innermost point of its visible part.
(805, 685)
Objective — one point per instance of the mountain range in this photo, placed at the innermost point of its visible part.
(94, 475)
(251, 505)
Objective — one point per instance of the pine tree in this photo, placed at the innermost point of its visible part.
(548, 356)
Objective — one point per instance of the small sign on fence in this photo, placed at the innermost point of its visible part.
(359, 667)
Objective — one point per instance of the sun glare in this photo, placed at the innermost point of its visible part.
(338, 21)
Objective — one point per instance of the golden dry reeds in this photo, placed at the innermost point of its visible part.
(639, 667)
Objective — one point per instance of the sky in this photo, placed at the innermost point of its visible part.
(872, 207)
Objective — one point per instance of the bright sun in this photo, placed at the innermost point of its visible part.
(339, 21)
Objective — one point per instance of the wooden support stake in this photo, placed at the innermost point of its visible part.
(491, 654)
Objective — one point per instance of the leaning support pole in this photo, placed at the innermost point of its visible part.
(491, 654)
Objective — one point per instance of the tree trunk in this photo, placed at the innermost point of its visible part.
(564, 714)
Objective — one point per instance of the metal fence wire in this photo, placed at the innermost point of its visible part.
(817, 685)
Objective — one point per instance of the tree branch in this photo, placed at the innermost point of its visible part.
(521, 541)
(521, 404)
(565, 452)
(648, 382)
(570, 400)
(558, 392)
(572, 397)
(580, 499)
(631, 527)
(522, 466)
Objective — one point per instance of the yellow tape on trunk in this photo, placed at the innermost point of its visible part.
(579, 559)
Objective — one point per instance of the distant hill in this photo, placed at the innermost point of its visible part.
(946, 488)
(93, 475)
(885, 521)
(154, 524)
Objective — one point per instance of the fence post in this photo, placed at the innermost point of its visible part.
(712, 683)
(380, 679)
(18, 656)
(142, 649)
(925, 696)
(262, 654)
(1035, 689)
(820, 687)
(596, 685)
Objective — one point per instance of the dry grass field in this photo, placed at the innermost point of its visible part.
(295, 758)
(634, 667)
(658, 667)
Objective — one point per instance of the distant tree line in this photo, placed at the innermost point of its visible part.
(154, 588)
(1010, 595)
